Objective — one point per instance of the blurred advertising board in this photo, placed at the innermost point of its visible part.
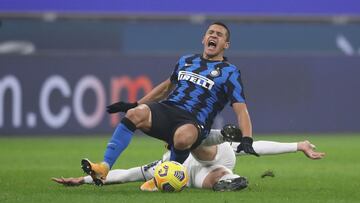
(62, 94)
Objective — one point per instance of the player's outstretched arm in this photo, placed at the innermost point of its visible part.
(69, 181)
(158, 93)
(216, 136)
(273, 148)
(116, 176)
(245, 125)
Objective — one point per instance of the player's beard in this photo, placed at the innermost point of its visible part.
(211, 54)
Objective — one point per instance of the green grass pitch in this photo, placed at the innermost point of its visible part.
(27, 164)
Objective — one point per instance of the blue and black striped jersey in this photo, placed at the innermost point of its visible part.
(204, 87)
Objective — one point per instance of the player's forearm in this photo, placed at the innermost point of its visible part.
(160, 92)
(243, 118)
(245, 125)
(119, 176)
(269, 147)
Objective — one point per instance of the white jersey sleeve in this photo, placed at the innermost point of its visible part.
(118, 176)
(149, 169)
(268, 147)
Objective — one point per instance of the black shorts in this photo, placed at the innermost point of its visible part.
(166, 118)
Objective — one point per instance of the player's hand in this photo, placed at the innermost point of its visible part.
(246, 146)
(120, 107)
(69, 181)
(309, 150)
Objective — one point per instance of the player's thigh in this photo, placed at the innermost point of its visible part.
(161, 122)
(205, 153)
(224, 156)
(140, 116)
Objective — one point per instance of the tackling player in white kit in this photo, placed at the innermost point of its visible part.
(216, 174)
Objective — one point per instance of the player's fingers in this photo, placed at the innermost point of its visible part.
(254, 153)
(321, 154)
(251, 150)
(317, 155)
(58, 180)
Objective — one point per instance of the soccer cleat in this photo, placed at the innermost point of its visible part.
(97, 171)
(149, 186)
(231, 184)
(231, 133)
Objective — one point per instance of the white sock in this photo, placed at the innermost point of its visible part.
(214, 138)
(269, 147)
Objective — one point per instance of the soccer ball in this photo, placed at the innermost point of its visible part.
(170, 176)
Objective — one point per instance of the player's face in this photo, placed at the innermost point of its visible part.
(215, 42)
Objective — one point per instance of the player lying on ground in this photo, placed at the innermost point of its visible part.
(216, 174)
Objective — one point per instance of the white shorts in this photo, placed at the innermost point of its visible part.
(197, 169)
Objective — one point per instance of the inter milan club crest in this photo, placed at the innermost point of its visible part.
(215, 73)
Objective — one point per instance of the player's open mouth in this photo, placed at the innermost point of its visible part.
(212, 44)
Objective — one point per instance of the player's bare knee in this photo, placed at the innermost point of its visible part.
(136, 115)
(185, 136)
(181, 143)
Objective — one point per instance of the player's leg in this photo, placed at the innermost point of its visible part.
(223, 155)
(222, 179)
(174, 126)
(138, 117)
(216, 177)
(205, 150)
(205, 153)
(217, 173)
(184, 137)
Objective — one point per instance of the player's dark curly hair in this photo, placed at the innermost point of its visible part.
(223, 25)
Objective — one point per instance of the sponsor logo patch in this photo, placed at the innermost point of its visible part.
(196, 79)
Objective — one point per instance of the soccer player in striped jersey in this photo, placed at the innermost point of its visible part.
(181, 110)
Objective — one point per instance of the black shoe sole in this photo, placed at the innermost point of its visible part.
(86, 167)
(231, 185)
(231, 133)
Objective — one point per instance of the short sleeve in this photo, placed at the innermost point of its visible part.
(174, 77)
(234, 88)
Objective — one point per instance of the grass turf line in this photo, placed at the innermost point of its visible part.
(27, 164)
